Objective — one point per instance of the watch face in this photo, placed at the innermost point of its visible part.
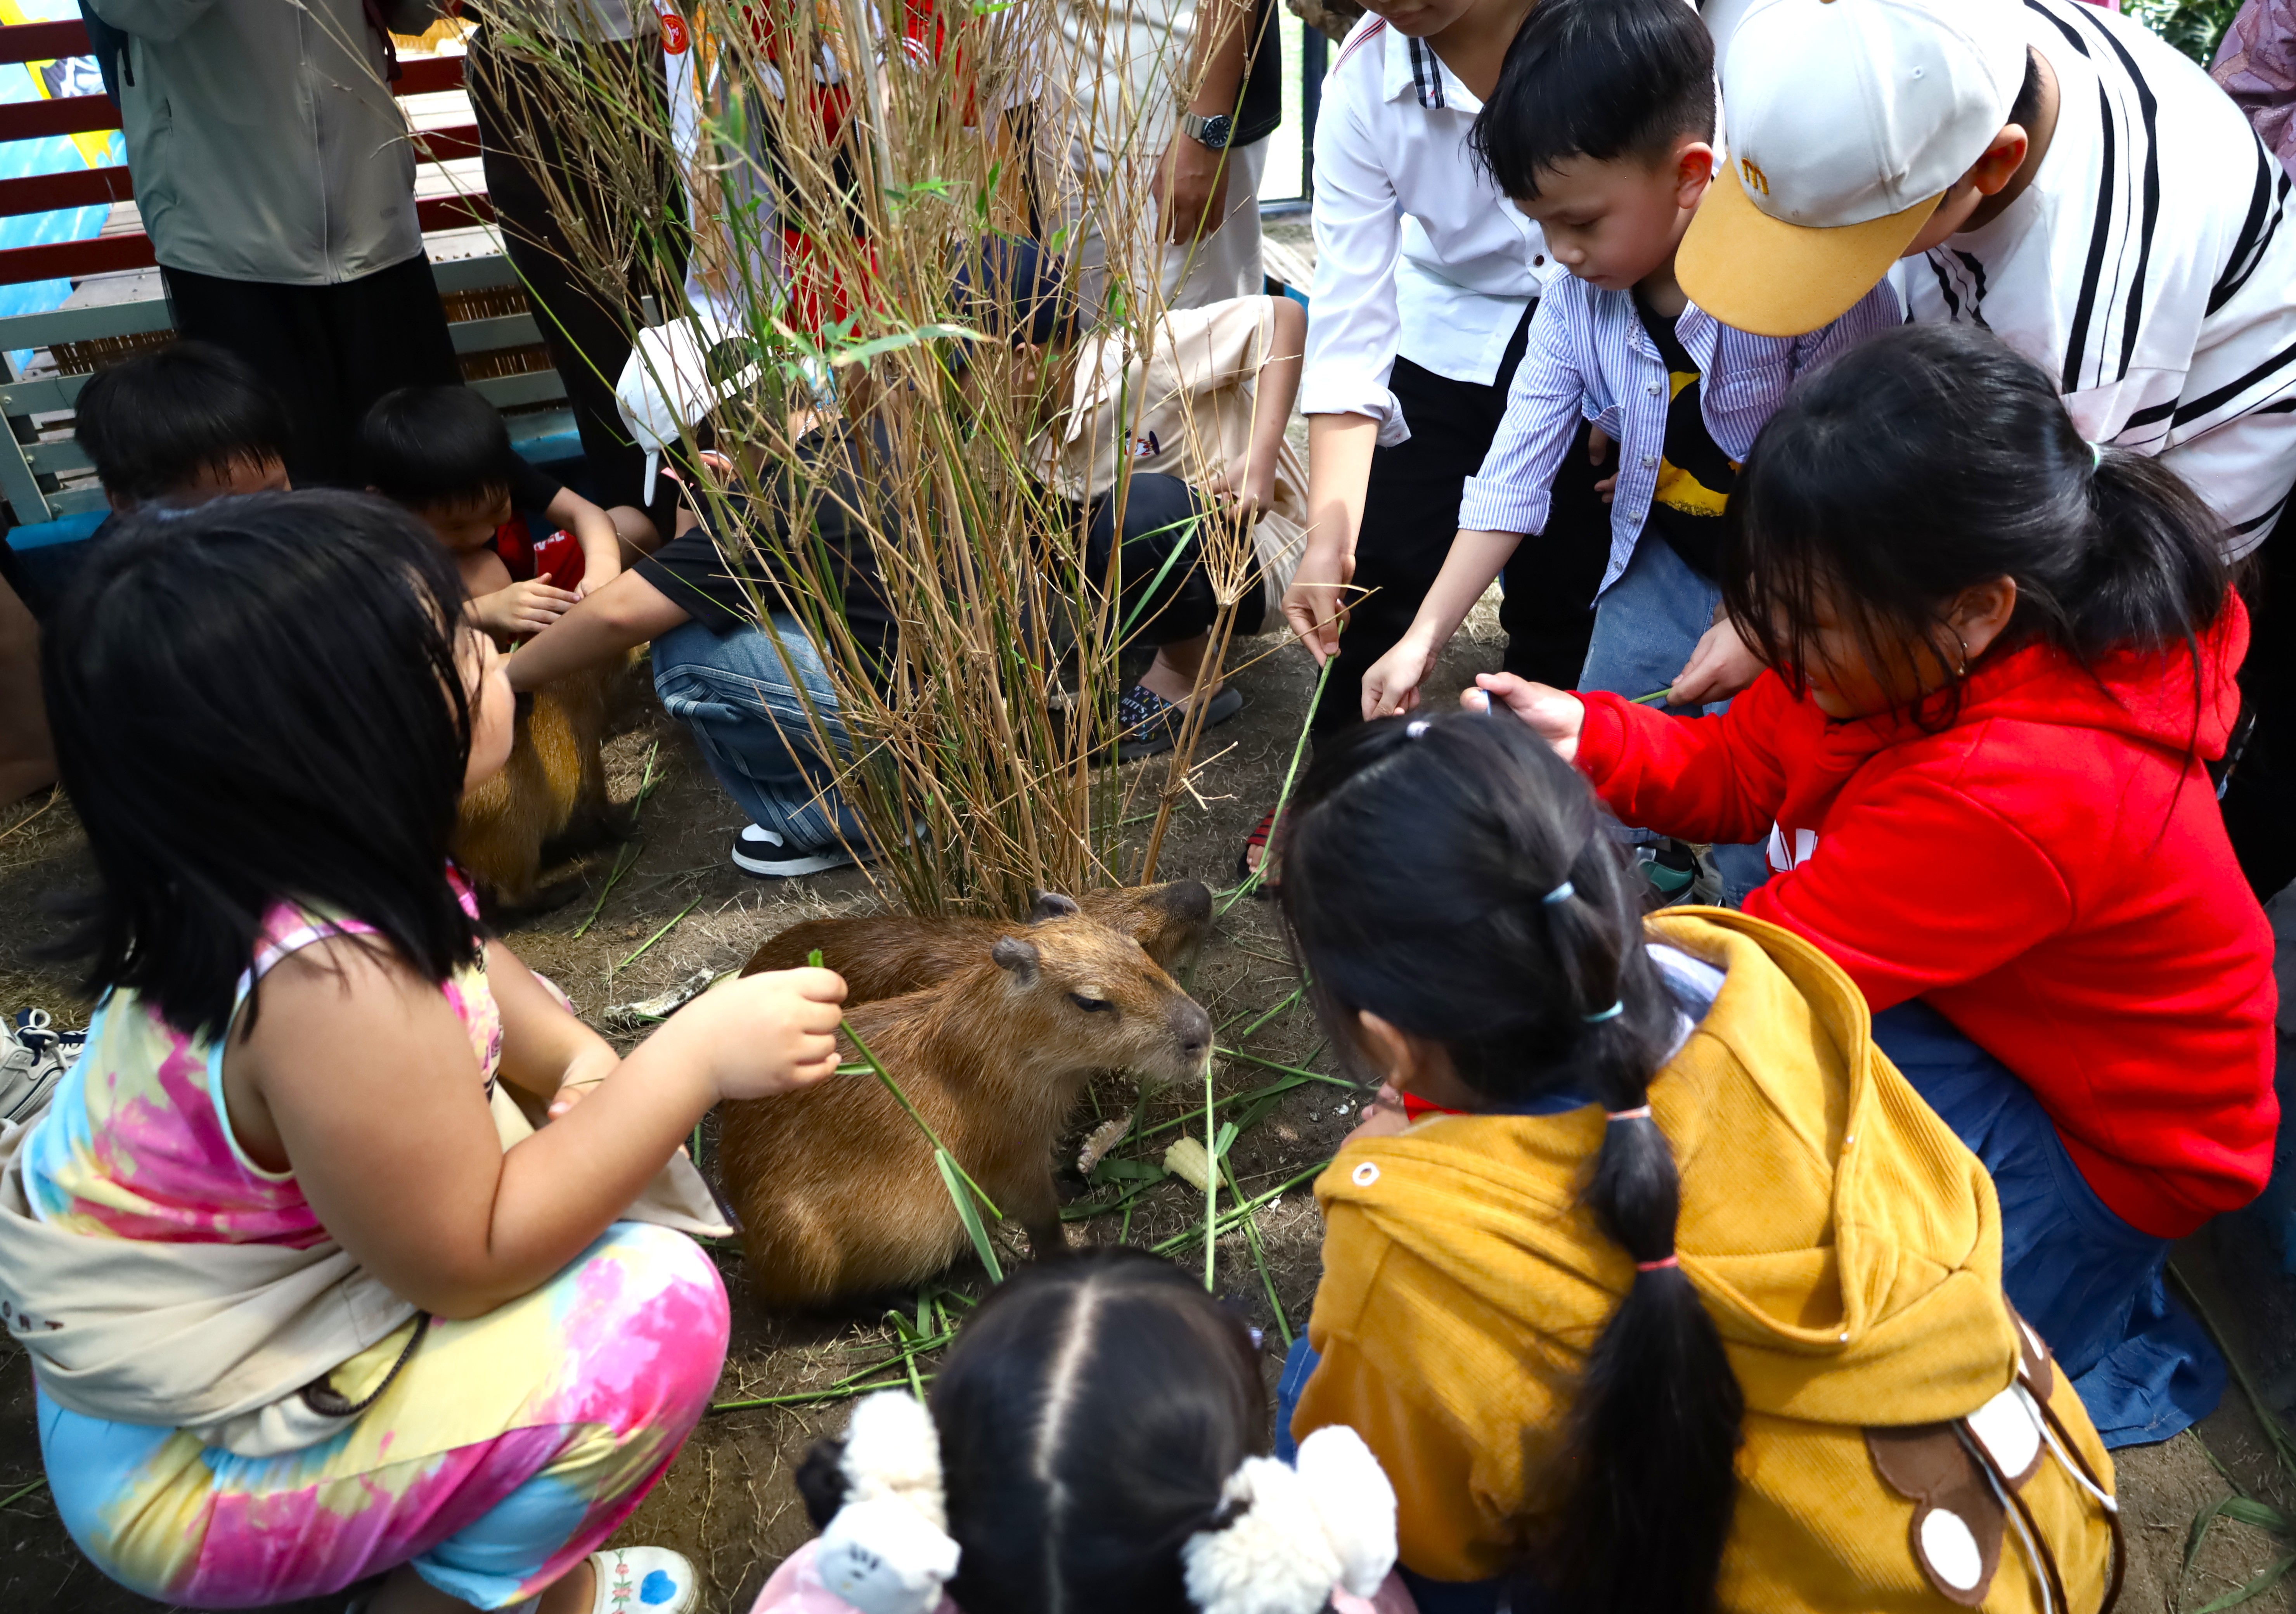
(1213, 131)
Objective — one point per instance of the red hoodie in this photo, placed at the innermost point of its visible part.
(2051, 874)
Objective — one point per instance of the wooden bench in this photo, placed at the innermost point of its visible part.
(49, 488)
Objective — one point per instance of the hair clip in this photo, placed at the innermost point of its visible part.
(1291, 1534)
(1562, 893)
(1416, 729)
(1612, 1013)
(2096, 456)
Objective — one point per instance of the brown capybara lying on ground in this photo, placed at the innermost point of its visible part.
(552, 791)
(884, 956)
(836, 1187)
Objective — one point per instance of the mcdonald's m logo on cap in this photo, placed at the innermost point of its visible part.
(1756, 180)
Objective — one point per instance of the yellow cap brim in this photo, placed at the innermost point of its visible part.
(1771, 278)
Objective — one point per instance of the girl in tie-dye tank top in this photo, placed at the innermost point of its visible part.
(266, 714)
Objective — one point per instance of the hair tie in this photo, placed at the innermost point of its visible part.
(1612, 1013)
(1293, 1533)
(1414, 729)
(1640, 1112)
(1654, 1265)
(888, 1550)
(1562, 893)
(2096, 457)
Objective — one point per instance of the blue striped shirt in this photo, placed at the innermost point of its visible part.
(1588, 357)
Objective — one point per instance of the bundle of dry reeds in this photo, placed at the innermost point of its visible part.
(846, 157)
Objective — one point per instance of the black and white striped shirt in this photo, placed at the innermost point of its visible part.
(2149, 266)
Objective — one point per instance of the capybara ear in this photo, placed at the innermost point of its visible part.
(1011, 953)
(1049, 905)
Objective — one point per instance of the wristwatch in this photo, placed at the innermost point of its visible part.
(1214, 131)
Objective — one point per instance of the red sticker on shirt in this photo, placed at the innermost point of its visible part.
(673, 37)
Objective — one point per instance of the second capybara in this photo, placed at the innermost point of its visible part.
(551, 793)
(884, 956)
(836, 1187)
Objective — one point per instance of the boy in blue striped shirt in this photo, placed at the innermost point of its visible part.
(1600, 131)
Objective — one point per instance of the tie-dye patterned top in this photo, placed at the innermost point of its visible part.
(138, 1144)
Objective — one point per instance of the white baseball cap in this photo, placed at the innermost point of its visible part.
(1844, 123)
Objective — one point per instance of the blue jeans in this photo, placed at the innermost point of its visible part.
(753, 721)
(1647, 624)
(2090, 1284)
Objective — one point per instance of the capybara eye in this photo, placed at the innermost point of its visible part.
(1090, 1005)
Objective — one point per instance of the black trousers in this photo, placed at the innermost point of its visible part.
(1163, 592)
(329, 351)
(2259, 803)
(1411, 514)
(588, 337)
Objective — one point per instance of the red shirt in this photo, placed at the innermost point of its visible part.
(2050, 873)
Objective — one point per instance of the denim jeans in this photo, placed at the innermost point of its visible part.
(2089, 1283)
(1647, 624)
(755, 727)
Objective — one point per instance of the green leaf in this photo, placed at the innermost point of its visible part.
(969, 1216)
(900, 339)
(1128, 1171)
(2263, 1583)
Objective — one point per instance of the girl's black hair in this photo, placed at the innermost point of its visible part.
(432, 447)
(1597, 78)
(1461, 885)
(1929, 460)
(257, 702)
(1090, 1415)
(152, 423)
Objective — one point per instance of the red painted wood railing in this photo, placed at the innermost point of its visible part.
(93, 187)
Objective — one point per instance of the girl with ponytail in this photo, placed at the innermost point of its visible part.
(1096, 1443)
(2000, 663)
(1674, 1296)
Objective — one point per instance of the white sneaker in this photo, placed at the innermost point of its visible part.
(644, 1580)
(763, 853)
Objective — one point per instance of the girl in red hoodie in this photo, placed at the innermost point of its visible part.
(2000, 660)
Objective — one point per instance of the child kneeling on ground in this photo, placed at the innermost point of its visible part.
(1779, 1375)
(318, 1303)
(1160, 442)
(444, 454)
(1096, 1441)
(1601, 130)
(2000, 662)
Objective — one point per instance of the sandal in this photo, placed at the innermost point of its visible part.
(1260, 837)
(1149, 726)
(644, 1580)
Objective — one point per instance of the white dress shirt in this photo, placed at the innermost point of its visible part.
(1417, 255)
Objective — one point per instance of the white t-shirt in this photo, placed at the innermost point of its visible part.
(1417, 254)
(2147, 267)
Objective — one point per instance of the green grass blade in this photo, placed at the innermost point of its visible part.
(1291, 774)
(1259, 1258)
(1211, 1184)
(647, 945)
(2262, 1584)
(970, 1218)
(622, 862)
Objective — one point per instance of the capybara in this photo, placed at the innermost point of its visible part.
(836, 1187)
(552, 791)
(884, 956)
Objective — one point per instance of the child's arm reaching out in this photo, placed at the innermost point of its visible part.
(360, 1075)
(1250, 481)
(1508, 498)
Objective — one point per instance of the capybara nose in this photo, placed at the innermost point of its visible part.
(1192, 1029)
